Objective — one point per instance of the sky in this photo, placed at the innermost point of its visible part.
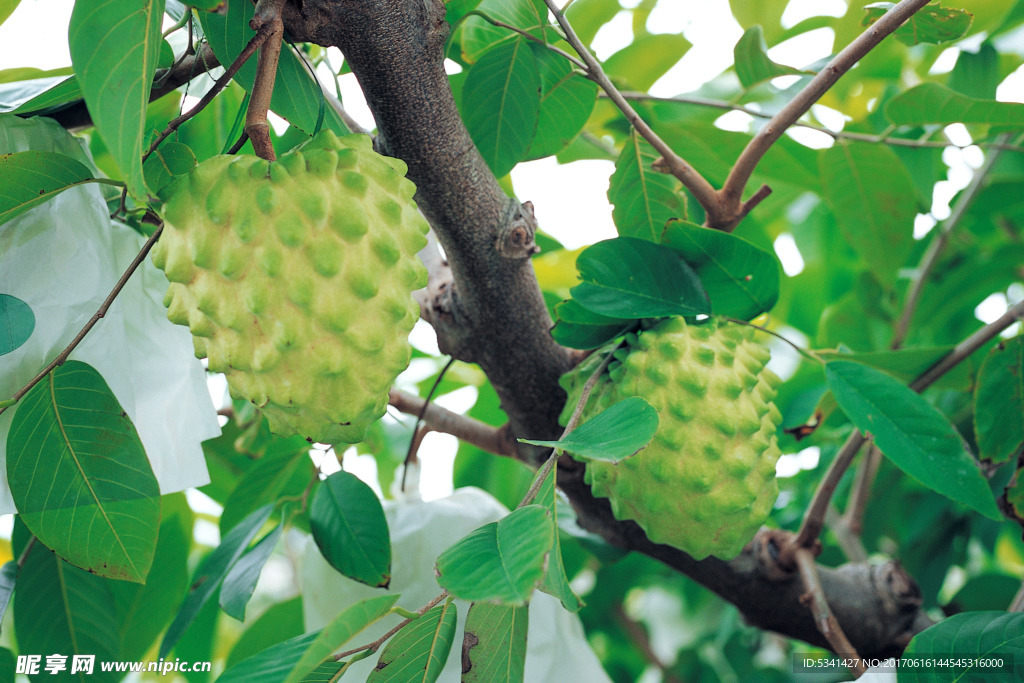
(570, 200)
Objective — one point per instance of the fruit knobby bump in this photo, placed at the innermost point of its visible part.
(295, 279)
(706, 482)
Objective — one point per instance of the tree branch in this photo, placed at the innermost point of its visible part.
(816, 601)
(696, 183)
(732, 190)
(884, 138)
(938, 244)
(496, 440)
(76, 117)
(492, 313)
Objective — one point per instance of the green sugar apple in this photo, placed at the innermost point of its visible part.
(706, 482)
(295, 279)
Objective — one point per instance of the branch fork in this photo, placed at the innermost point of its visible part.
(725, 208)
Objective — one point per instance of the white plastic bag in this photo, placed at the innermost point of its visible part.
(61, 259)
(557, 649)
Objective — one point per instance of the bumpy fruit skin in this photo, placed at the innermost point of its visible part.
(295, 279)
(706, 481)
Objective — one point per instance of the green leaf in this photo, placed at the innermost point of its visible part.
(976, 74)
(349, 527)
(556, 581)
(646, 59)
(915, 436)
(284, 470)
(297, 97)
(7, 666)
(500, 562)
(494, 647)
(241, 578)
(906, 365)
(170, 159)
(974, 635)
(501, 104)
(418, 652)
(114, 47)
(7, 8)
(280, 620)
(578, 328)
(28, 179)
(25, 74)
(767, 15)
(631, 278)
(932, 24)
(270, 665)
(211, 573)
(479, 36)
(566, 101)
(588, 16)
(144, 611)
(931, 103)
(16, 323)
(612, 435)
(999, 402)
(344, 627)
(753, 65)
(643, 199)
(59, 608)
(874, 202)
(80, 477)
(51, 94)
(742, 281)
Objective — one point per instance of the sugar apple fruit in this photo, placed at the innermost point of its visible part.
(295, 279)
(706, 481)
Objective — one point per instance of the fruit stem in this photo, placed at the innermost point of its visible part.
(243, 57)
(266, 20)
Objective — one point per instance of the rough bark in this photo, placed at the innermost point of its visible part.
(492, 312)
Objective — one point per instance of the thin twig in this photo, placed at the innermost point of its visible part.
(1017, 604)
(496, 440)
(529, 36)
(239, 143)
(637, 633)
(806, 353)
(732, 190)
(417, 437)
(853, 518)
(826, 622)
(221, 83)
(102, 311)
(883, 138)
(574, 420)
(26, 551)
(938, 244)
(372, 647)
(814, 517)
(849, 542)
(696, 183)
(968, 346)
